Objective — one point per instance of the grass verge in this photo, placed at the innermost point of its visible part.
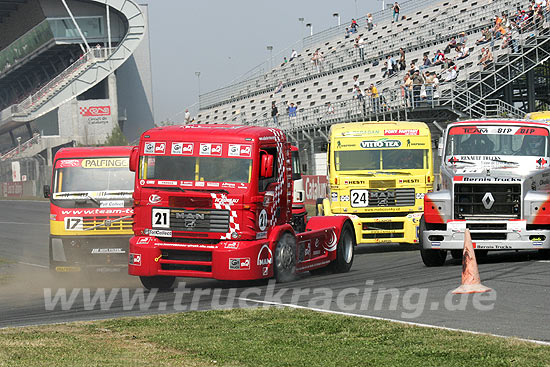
(258, 337)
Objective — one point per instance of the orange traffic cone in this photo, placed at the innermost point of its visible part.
(471, 283)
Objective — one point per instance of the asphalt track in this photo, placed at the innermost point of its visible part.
(520, 305)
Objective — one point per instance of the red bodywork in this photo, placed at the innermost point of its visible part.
(257, 212)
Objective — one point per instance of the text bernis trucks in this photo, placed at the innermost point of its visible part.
(495, 180)
(216, 202)
(91, 209)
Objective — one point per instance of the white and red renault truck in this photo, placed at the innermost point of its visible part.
(495, 181)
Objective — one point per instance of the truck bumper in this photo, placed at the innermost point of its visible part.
(495, 235)
(102, 254)
(387, 229)
(226, 260)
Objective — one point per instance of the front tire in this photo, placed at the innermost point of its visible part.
(544, 254)
(285, 258)
(430, 257)
(163, 283)
(345, 250)
(456, 254)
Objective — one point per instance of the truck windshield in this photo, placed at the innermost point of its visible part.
(380, 159)
(497, 140)
(296, 170)
(93, 175)
(195, 168)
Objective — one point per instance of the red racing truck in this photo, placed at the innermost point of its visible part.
(215, 201)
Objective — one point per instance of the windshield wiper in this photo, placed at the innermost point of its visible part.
(503, 161)
(86, 195)
(459, 161)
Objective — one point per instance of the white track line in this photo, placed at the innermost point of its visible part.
(26, 223)
(392, 320)
(26, 201)
(35, 265)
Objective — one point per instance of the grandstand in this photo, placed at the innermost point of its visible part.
(70, 72)
(516, 81)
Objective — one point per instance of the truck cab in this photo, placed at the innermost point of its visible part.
(90, 209)
(299, 211)
(379, 173)
(216, 202)
(495, 181)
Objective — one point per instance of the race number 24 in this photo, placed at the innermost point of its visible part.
(359, 198)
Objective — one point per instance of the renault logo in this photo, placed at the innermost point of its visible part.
(488, 200)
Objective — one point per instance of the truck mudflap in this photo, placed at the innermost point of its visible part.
(229, 260)
(487, 235)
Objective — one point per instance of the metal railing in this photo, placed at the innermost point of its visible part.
(437, 30)
(21, 147)
(42, 95)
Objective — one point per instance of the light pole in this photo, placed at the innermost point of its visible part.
(270, 49)
(383, 4)
(310, 26)
(336, 15)
(198, 74)
(301, 20)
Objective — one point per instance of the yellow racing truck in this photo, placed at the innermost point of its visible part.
(378, 174)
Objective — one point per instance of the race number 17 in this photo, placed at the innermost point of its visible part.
(73, 224)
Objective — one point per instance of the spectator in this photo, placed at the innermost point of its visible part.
(285, 60)
(375, 96)
(396, 9)
(274, 113)
(426, 63)
(450, 74)
(406, 90)
(330, 109)
(417, 87)
(463, 52)
(413, 69)
(462, 39)
(486, 37)
(486, 57)
(353, 26)
(187, 116)
(279, 87)
(356, 83)
(348, 32)
(370, 23)
(514, 38)
(429, 85)
(292, 112)
(439, 58)
(293, 55)
(391, 67)
(360, 45)
(402, 60)
(358, 94)
(450, 45)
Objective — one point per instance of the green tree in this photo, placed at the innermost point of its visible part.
(116, 137)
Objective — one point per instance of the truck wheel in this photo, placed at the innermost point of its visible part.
(456, 254)
(430, 257)
(544, 254)
(345, 250)
(481, 254)
(163, 283)
(319, 207)
(285, 258)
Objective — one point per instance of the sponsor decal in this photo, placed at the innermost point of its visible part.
(160, 233)
(265, 256)
(239, 264)
(108, 251)
(354, 182)
(151, 182)
(380, 143)
(106, 163)
(143, 240)
(69, 163)
(240, 150)
(182, 148)
(541, 162)
(154, 199)
(199, 184)
(67, 269)
(498, 130)
(112, 204)
(228, 185)
(134, 259)
(344, 198)
(265, 271)
(537, 243)
(436, 244)
(224, 200)
(210, 149)
(261, 235)
(95, 111)
(142, 182)
(402, 132)
(232, 245)
(187, 183)
(213, 184)
(333, 243)
(409, 180)
(154, 148)
(334, 196)
(97, 211)
(491, 246)
(168, 183)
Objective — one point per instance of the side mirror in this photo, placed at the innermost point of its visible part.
(47, 191)
(266, 168)
(440, 147)
(134, 158)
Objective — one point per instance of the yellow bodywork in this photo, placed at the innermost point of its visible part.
(388, 222)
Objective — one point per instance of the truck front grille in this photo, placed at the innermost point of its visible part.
(392, 197)
(105, 223)
(487, 201)
(199, 220)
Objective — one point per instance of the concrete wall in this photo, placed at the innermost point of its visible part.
(20, 22)
(135, 89)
